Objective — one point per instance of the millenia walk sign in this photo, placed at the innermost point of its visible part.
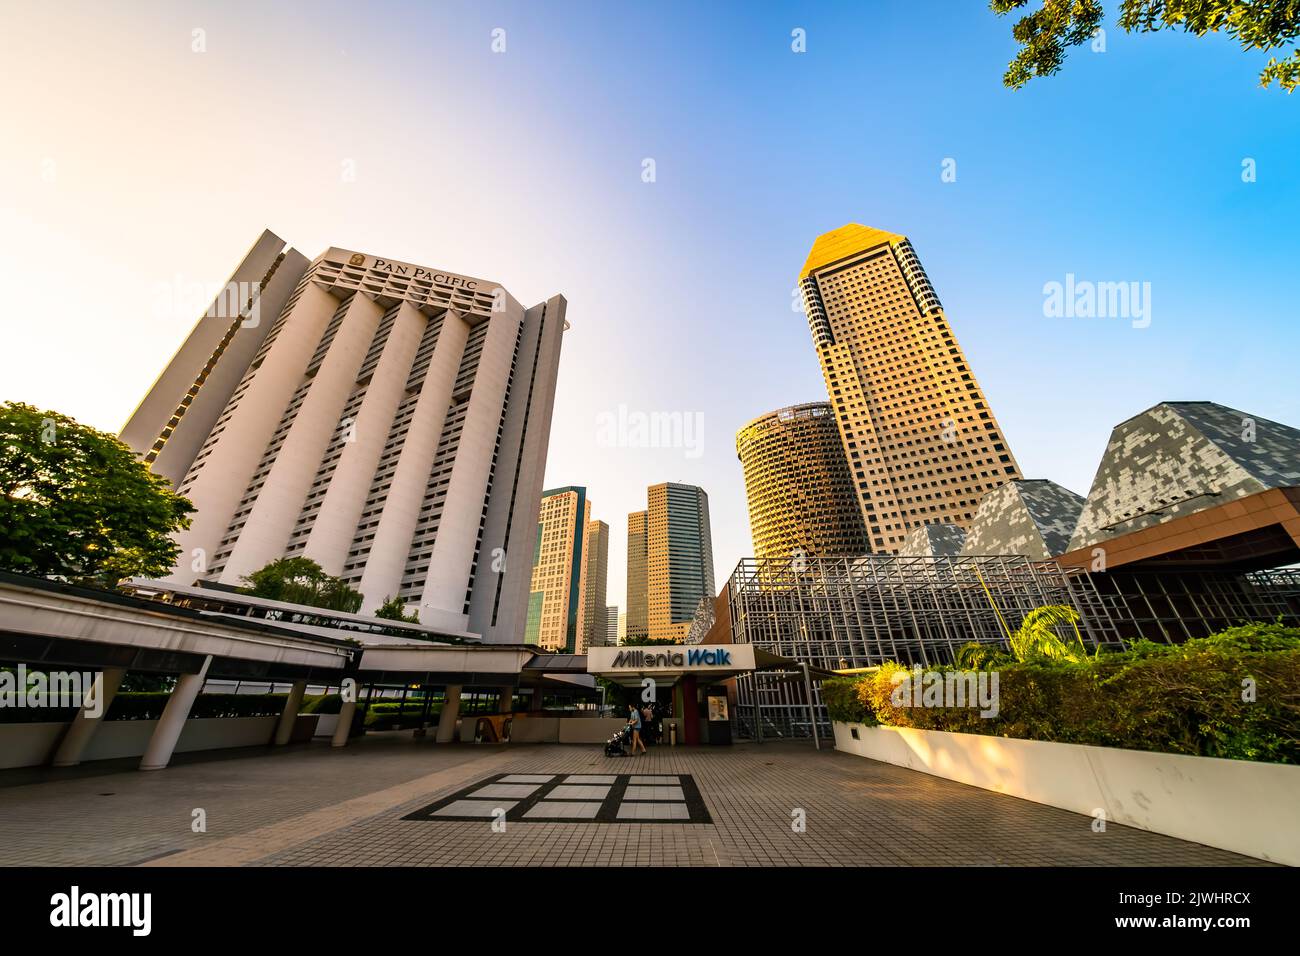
(694, 657)
(663, 660)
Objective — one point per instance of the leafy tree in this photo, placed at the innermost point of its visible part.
(1045, 33)
(394, 609)
(648, 642)
(76, 504)
(302, 581)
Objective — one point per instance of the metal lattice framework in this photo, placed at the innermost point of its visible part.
(1177, 605)
(838, 613)
(841, 613)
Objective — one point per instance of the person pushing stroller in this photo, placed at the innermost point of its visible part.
(634, 724)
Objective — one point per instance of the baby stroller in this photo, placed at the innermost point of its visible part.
(614, 746)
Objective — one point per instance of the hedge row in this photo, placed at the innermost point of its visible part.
(1235, 694)
(149, 706)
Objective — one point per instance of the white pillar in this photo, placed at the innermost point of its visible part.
(83, 726)
(344, 727)
(292, 703)
(462, 509)
(221, 481)
(406, 494)
(163, 742)
(340, 511)
(265, 535)
(450, 711)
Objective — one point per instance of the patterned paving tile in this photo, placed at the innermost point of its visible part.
(560, 809)
(653, 811)
(567, 800)
(474, 808)
(570, 792)
(498, 791)
(654, 793)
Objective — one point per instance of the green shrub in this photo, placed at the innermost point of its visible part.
(149, 706)
(322, 704)
(1185, 699)
(840, 695)
(391, 715)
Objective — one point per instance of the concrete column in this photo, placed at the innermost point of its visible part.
(458, 528)
(265, 535)
(223, 478)
(406, 493)
(83, 726)
(450, 711)
(344, 727)
(421, 731)
(345, 498)
(505, 699)
(690, 711)
(163, 742)
(284, 729)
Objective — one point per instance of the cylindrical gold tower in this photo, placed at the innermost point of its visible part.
(801, 497)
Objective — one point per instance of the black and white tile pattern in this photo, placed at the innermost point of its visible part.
(574, 797)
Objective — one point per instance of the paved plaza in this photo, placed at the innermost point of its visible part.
(378, 802)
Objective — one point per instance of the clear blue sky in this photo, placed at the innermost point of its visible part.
(525, 167)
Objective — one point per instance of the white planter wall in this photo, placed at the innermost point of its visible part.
(1238, 805)
(326, 724)
(589, 730)
(30, 745)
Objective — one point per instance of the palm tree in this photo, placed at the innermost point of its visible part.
(1036, 637)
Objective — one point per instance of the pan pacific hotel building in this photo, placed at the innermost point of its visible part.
(387, 420)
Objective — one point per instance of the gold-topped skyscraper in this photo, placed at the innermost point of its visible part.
(921, 441)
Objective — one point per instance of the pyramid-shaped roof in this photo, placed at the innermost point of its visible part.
(1177, 458)
(937, 540)
(845, 241)
(1033, 517)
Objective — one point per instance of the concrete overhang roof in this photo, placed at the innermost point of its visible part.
(474, 662)
(57, 611)
(353, 624)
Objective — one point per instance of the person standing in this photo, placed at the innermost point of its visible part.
(647, 724)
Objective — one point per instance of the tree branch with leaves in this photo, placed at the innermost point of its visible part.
(1048, 32)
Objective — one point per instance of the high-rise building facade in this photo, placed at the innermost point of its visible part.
(387, 420)
(556, 592)
(802, 501)
(611, 625)
(920, 440)
(679, 558)
(592, 586)
(637, 623)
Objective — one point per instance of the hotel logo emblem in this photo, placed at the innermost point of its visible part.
(357, 259)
